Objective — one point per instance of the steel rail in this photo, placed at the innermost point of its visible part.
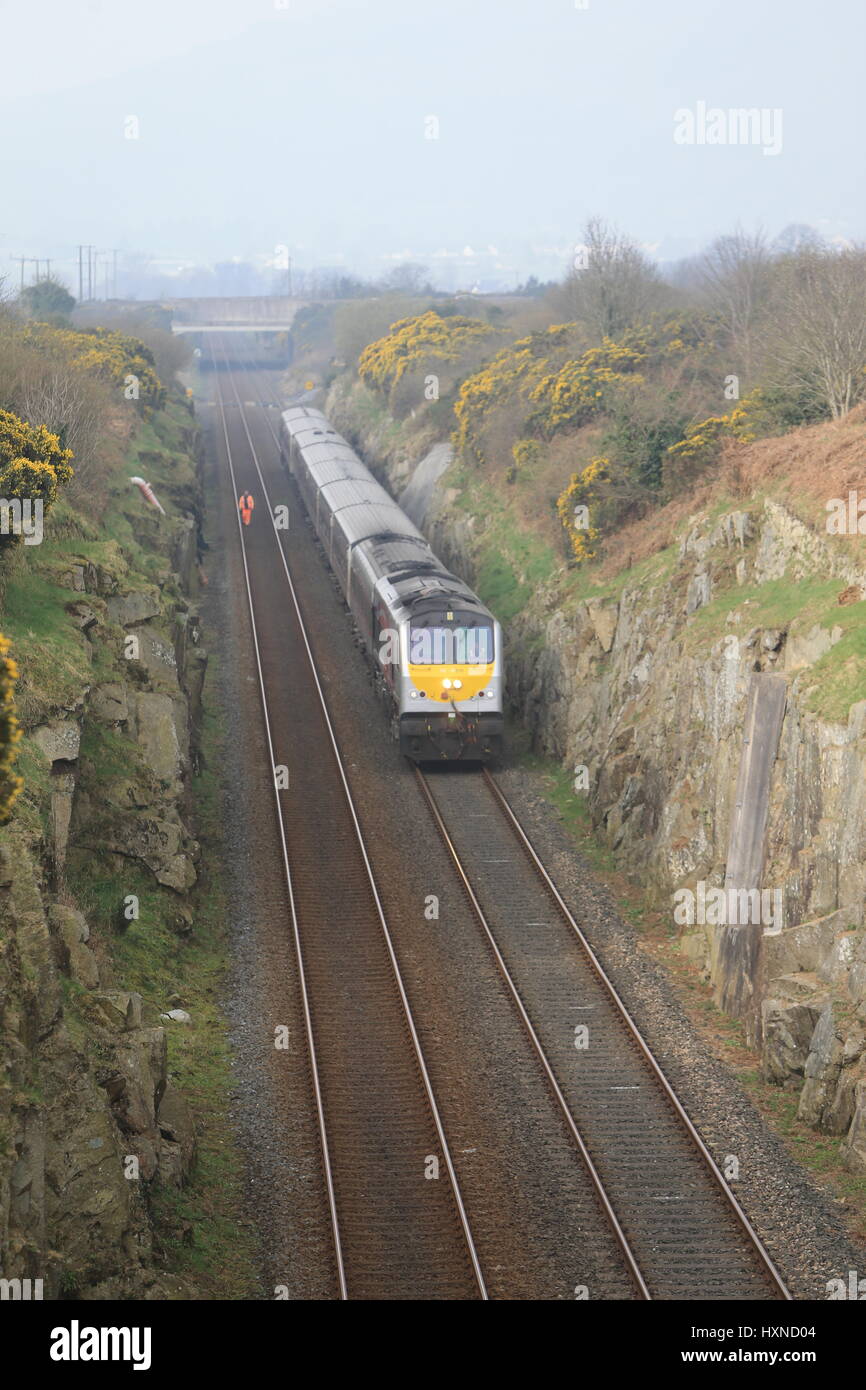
(398, 978)
(619, 1233)
(637, 1037)
(305, 999)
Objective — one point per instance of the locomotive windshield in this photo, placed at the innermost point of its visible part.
(461, 641)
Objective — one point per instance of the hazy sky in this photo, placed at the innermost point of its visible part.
(305, 123)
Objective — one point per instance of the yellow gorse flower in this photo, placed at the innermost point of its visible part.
(10, 734)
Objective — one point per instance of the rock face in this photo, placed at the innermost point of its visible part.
(89, 1118)
(646, 687)
(84, 1139)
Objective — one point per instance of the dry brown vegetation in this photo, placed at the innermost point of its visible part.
(803, 468)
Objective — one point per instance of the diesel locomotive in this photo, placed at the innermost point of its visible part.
(435, 648)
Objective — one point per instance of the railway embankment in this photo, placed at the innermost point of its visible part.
(114, 1062)
(637, 675)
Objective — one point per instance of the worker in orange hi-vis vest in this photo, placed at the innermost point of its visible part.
(245, 506)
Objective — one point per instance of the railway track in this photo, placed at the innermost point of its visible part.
(685, 1234)
(396, 1233)
(678, 1227)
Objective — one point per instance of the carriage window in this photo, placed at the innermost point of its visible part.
(451, 646)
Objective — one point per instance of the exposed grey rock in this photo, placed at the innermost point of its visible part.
(181, 921)
(699, 591)
(84, 615)
(156, 654)
(90, 1057)
(159, 841)
(603, 615)
(158, 735)
(837, 964)
(787, 1033)
(827, 1099)
(178, 873)
(117, 1009)
(135, 1086)
(805, 648)
(415, 498)
(70, 927)
(177, 1150)
(64, 1201)
(62, 794)
(108, 703)
(804, 947)
(58, 740)
(137, 607)
(856, 981)
(853, 1148)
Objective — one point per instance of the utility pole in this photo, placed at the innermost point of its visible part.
(80, 273)
(114, 253)
(26, 260)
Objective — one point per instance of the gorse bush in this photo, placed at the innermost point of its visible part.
(10, 734)
(703, 442)
(570, 396)
(20, 440)
(574, 507)
(84, 388)
(508, 377)
(424, 345)
(123, 361)
(558, 389)
(634, 397)
(33, 465)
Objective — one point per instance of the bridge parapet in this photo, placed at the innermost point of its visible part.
(257, 313)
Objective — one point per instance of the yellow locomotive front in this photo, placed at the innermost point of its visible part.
(451, 697)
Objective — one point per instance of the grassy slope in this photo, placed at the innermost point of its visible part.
(514, 553)
(148, 956)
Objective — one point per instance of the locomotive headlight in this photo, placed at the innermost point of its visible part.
(413, 694)
(446, 684)
(490, 694)
(458, 685)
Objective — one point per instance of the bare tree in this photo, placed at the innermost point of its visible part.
(407, 278)
(735, 276)
(817, 340)
(796, 237)
(71, 406)
(612, 285)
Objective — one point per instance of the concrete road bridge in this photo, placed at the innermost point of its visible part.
(257, 314)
